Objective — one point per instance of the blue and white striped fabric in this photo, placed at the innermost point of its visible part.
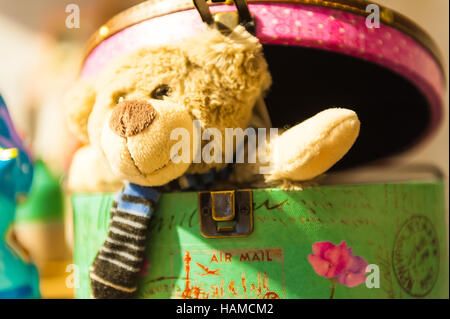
(137, 200)
(115, 269)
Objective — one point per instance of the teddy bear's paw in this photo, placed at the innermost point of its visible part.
(313, 146)
(90, 173)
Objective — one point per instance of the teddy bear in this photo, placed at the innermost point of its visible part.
(127, 117)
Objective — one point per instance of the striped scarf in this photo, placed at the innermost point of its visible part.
(118, 262)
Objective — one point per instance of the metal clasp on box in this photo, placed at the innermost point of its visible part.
(226, 213)
(227, 21)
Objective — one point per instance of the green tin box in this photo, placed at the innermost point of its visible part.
(400, 227)
(388, 225)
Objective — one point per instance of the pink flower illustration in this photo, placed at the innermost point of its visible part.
(329, 260)
(354, 274)
(338, 264)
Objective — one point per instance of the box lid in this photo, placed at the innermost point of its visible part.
(321, 54)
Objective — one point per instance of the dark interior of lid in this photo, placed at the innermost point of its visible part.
(392, 111)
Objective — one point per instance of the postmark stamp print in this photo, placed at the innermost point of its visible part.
(415, 256)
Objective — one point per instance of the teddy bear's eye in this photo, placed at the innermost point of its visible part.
(119, 98)
(160, 91)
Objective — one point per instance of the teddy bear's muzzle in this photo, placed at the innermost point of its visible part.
(138, 136)
(130, 117)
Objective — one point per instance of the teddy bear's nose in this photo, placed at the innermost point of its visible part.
(131, 117)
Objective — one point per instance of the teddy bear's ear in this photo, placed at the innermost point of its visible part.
(238, 52)
(78, 104)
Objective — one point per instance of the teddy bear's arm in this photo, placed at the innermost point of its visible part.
(89, 172)
(313, 146)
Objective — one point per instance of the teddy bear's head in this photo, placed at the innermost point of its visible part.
(129, 111)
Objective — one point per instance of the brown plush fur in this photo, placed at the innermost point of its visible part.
(130, 110)
(213, 78)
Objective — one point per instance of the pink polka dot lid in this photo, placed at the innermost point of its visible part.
(321, 54)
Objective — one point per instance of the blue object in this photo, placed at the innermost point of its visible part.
(17, 278)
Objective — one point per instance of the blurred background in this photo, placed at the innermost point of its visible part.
(39, 58)
(432, 16)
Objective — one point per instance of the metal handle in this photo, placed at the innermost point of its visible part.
(244, 17)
